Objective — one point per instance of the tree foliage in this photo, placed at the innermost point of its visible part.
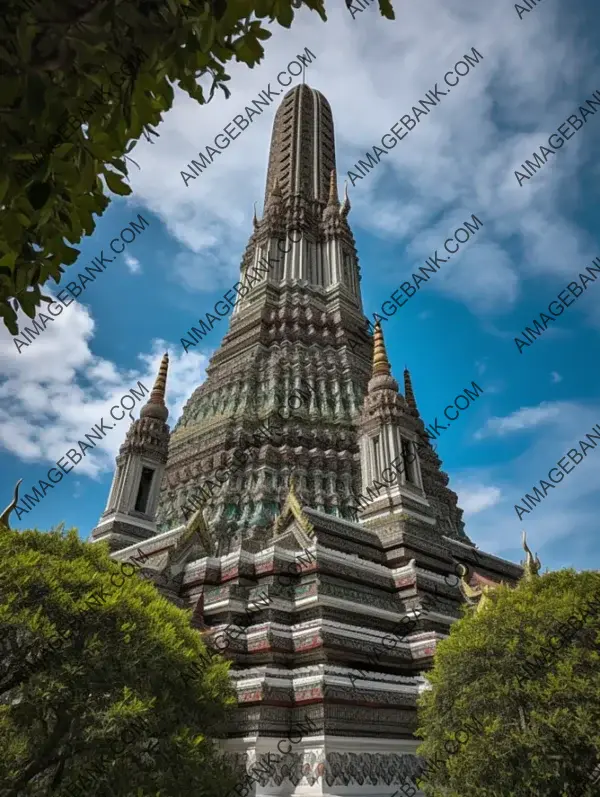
(80, 82)
(79, 677)
(514, 708)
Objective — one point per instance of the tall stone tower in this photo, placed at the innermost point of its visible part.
(302, 323)
(316, 540)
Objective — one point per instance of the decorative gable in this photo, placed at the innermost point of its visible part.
(301, 531)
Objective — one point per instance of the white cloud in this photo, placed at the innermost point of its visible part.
(476, 498)
(132, 263)
(56, 390)
(524, 418)
(571, 504)
(460, 159)
(556, 377)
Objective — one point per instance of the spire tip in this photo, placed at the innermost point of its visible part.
(155, 407)
(381, 364)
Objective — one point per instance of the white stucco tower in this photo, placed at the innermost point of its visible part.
(130, 513)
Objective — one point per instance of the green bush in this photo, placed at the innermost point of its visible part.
(514, 708)
(100, 691)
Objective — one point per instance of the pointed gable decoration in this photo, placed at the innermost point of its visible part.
(292, 507)
(195, 531)
(197, 527)
(6, 514)
(530, 566)
(479, 595)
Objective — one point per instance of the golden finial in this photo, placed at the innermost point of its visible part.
(381, 364)
(531, 566)
(5, 515)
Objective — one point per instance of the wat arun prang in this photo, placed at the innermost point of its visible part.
(310, 654)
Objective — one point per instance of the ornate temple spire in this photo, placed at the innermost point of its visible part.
(388, 433)
(156, 407)
(130, 514)
(381, 364)
(304, 233)
(254, 218)
(531, 566)
(408, 391)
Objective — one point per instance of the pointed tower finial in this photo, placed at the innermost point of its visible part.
(381, 364)
(156, 407)
(408, 390)
(254, 218)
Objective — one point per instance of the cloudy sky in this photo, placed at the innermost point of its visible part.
(459, 160)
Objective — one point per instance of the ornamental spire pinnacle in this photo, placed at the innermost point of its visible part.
(381, 364)
(156, 407)
(408, 391)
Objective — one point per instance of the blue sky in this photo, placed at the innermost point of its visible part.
(459, 327)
